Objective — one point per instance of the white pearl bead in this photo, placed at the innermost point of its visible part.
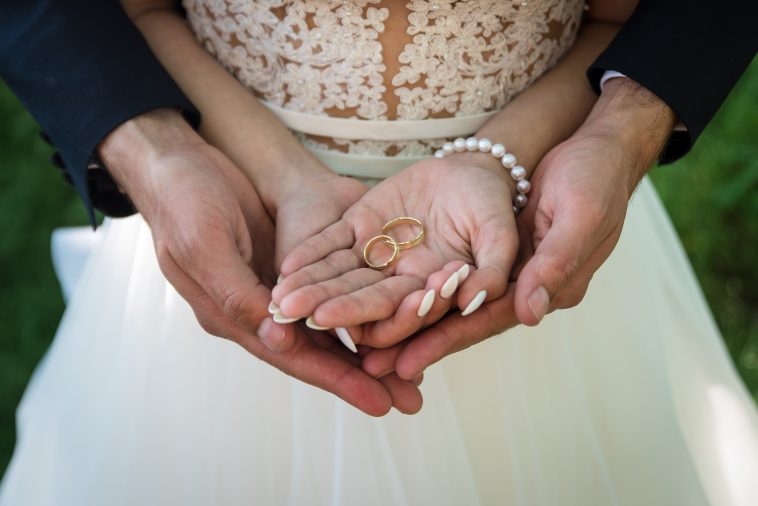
(508, 161)
(523, 186)
(439, 154)
(459, 144)
(497, 150)
(484, 145)
(472, 144)
(520, 200)
(448, 148)
(518, 173)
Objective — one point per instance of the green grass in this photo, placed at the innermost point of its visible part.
(712, 196)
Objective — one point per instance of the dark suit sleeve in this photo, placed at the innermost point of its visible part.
(688, 53)
(81, 68)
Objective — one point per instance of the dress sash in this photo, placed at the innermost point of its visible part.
(375, 166)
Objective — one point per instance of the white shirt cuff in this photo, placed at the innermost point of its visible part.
(607, 76)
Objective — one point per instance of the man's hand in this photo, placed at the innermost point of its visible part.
(574, 218)
(582, 190)
(219, 254)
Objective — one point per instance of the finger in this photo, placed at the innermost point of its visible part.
(302, 302)
(495, 248)
(224, 320)
(333, 370)
(406, 397)
(558, 256)
(450, 335)
(419, 380)
(220, 270)
(331, 367)
(526, 249)
(332, 266)
(380, 362)
(374, 302)
(418, 309)
(335, 237)
(573, 293)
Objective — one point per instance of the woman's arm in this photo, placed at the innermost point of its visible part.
(232, 118)
(552, 108)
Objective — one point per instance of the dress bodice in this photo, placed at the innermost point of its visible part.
(386, 59)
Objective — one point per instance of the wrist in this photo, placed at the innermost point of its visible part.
(634, 118)
(131, 151)
(285, 172)
(493, 158)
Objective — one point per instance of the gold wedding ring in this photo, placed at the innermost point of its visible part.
(405, 220)
(389, 241)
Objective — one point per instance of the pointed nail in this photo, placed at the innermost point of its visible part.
(463, 273)
(450, 286)
(426, 304)
(475, 303)
(344, 336)
(273, 308)
(311, 324)
(279, 279)
(280, 318)
(539, 302)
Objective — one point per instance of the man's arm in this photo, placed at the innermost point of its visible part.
(690, 55)
(81, 68)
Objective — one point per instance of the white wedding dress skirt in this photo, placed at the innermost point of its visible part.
(628, 399)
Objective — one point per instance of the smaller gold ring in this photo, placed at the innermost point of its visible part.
(405, 220)
(389, 241)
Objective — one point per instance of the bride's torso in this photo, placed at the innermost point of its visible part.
(385, 60)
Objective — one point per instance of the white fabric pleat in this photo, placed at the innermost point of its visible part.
(628, 399)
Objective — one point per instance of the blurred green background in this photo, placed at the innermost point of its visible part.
(712, 196)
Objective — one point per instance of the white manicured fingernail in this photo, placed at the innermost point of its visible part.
(311, 324)
(280, 318)
(273, 308)
(449, 287)
(279, 279)
(475, 303)
(463, 273)
(426, 304)
(344, 336)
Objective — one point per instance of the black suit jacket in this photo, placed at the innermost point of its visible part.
(81, 68)
(689, 53)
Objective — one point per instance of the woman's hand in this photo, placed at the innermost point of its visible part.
(574, 218)
(309, 205)
(468, 218)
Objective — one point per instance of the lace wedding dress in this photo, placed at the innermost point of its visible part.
(629, 398)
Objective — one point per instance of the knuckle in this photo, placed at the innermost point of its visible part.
(209, 325)
(238, 307)
(571, 298)
(557, 269)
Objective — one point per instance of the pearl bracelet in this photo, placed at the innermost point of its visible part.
(507, 160)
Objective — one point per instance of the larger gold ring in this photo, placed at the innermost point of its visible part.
(405, 220)
(389, 241)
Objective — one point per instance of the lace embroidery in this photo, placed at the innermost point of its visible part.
(324, 57)
(471, 57)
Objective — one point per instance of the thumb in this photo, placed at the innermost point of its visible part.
(560, 254)
(494, 248)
